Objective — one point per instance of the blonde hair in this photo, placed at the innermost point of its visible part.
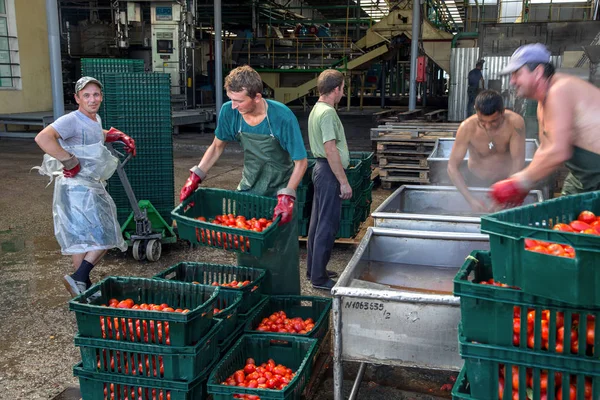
(244, 78)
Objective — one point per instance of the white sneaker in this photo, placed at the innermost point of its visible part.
(74, 287)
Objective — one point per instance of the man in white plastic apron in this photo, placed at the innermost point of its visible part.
(85, 222)
(274, 164)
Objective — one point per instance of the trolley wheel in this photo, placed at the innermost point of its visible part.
(153, 250)
(138, 250)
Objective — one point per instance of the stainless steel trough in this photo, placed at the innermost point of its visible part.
(434, 208)
(393, 304)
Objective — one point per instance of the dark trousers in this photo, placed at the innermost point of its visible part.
(472, 93)
(324, 221)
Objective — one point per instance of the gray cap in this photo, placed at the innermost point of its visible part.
(83, 81)
(529, 53)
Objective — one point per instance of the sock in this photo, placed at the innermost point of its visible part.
(83, 272)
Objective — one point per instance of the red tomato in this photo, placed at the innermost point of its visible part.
(530, 243)
(586, 216)
(562, 227)
(579, 226)
(539, 249)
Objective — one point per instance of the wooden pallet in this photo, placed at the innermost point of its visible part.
(404, 147)
(437, 115)
(403, 173)
(390, 160)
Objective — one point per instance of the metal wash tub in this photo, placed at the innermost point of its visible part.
(377, 321)
(434, 208)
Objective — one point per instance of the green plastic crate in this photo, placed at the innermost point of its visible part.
(483, 361)
(184, 329)
(461, 388)
(228, 302)
(211, 202)
(349, 228)
(178, 363)
(225, 344)
(304, 193)
(303, 226)
(571, 280)
(487, 311)
(317, 308)
(366, 157)
(303, 209)
(244, 317)
(93, 384)
(294, 352)
(207, 274)
(354, 173)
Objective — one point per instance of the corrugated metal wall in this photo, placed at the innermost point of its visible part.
(461, 62)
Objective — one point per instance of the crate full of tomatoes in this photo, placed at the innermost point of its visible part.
(150, 311)
(230, 278)
(306, 316)
(107, 386)
(549, 249)
(229, 220)
(264, 367)
(148, 360)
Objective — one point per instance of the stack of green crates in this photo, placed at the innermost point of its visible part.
(140, 105)
(354, 210)
(135, 353)
(534, 333)
(97, 67)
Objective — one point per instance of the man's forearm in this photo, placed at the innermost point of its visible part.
(51, 146)
(210, 157)
(543, 164)
(297, 174)
(459, 182)
(335, 163)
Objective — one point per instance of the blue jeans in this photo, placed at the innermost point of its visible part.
(324, 222)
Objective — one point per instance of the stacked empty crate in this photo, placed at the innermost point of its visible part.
(533, 335)
(146, 353)
(355, 210)
(139, 104)
(403, 148)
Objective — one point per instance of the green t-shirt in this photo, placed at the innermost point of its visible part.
(325, 125)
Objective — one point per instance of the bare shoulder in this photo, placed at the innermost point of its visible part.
(563, 87)
(467, 127)
(515, 119)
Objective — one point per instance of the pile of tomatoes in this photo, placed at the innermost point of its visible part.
(558, 388)
(136, 330)
(124, 392)
(279, 322)
(227, 240)
(492, 282)
(573, 341)
(586, 223)
(126, 364)
(232, 284)
(266, 376)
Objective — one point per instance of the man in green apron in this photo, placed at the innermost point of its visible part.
(569, 126)
(274, 164)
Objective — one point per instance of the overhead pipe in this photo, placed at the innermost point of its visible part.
(58, 102)
(218, 59)
(414, 52)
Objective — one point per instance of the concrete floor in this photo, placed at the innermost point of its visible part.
(36, 350)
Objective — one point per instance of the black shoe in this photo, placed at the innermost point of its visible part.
(325, 286)
(330, 274)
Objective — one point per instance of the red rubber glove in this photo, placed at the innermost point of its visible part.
(115, 135)
(509, 191)
(196, 177)
(285, 205)
(71, 166)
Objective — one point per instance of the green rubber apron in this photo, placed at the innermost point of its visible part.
(268, 168)
(584, 172)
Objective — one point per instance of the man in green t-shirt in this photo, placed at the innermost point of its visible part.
(328, 145)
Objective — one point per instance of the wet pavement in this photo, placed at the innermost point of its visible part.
(36, 327)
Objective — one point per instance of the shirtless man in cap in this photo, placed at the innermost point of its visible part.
(495, 139)
(569, 124)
